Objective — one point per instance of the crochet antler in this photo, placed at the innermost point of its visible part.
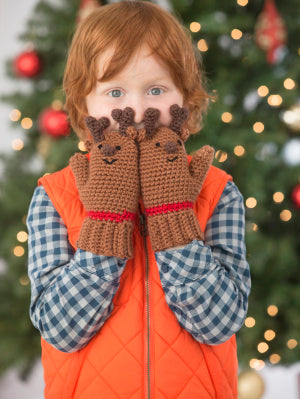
(179, 116)
(151, 116)
(125, 119)
(97, 127)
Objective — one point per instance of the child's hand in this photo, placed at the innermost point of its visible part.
(169, 185)
(108, 186)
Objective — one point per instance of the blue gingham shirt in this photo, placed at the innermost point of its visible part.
(206, 284)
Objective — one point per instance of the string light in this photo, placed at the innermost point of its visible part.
(254, 227)
(214, 97)
(263, 91)
(81, 146)
(221, 156)
(236, 34)
(257, 364)
(251, 202)
(239, 150)
(249, 322)
(291, 344)
(226, 117)
(57, 105)
(14, 115)
(202, 45)
(195, 26)
(285, 215)
(258, 127)
(292, 117)
(272, 310)
(242, 3)
(275, 358)
(17, 144)
(18, 251)
(269, 335)
(262, 347)
(289, 84)
(26, 123)
(274, 100)
(22, 236)
(24, 280)
(278, 197)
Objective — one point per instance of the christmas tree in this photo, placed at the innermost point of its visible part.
(251, 59)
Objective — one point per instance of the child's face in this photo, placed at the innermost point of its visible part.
(143, 83)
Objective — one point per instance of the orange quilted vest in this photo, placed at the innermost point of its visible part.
(141, 352)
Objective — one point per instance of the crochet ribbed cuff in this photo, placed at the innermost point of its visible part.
(173, 228)
(106, 237)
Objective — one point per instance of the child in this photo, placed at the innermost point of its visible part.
(136, 257)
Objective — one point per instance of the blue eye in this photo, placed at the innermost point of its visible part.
(115, 93)
(156, 91)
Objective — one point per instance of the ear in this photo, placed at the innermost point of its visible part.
(88, 145)
(184, 134)
(142, 135)
(132, 133)
(96, 127)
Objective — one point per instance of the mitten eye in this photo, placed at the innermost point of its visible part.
(179, 142)
(100, 146)
(157, 144)
(118, 147)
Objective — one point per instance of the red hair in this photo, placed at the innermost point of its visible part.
(126, 26)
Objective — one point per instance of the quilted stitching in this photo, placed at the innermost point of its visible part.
(123, 350)
(190, 374)
(172, 346)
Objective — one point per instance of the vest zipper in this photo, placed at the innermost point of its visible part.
(144, 232)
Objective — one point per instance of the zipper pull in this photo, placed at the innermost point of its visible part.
(143, 225)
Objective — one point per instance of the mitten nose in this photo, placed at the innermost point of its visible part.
(108, 150)
(171, 147)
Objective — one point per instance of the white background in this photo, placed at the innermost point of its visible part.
(280, 383)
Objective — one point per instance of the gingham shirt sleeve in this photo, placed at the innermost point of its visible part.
(207, 283)
(71, 293)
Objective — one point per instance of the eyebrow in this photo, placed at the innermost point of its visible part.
(152, 80)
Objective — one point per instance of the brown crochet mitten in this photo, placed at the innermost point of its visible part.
(170, 185)
(108, 186)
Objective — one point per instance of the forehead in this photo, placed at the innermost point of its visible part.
(142, 63)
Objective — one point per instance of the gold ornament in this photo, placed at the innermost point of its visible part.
(250, 385)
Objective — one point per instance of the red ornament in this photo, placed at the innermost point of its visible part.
(85, 8)
(28, 64)
(296, 196)
(270, 31)
(54, 123)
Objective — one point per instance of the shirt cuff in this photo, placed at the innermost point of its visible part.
(108, 268)
(182, 265)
